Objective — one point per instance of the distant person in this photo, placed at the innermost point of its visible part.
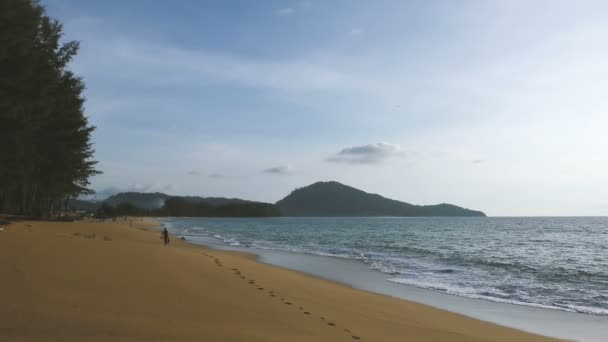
(165, 236)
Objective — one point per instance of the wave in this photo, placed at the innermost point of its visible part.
(458, 292)
(229, 241)
(444, 271)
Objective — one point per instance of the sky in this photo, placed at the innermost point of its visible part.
(499, 106)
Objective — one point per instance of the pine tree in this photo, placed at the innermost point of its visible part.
(45, 148)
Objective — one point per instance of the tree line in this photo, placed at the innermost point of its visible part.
(179, 207)
(45, 138)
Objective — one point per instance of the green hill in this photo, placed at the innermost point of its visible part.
(336, 199)
(156, 200)
(160, 204)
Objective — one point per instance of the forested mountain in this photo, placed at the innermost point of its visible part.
(140, 200)
(180, 206)
(83, 205)
(45, 138)
(336, 199)
(318, 199)
(157, 199)
(159, 204)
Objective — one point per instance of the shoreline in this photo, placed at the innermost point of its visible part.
(108, 281)
(561, 324)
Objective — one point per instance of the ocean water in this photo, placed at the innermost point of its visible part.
(553, 263)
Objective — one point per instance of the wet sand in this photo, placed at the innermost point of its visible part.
(109, 281)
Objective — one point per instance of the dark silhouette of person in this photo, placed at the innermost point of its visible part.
(165, 236)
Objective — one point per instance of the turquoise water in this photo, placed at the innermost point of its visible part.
(554, 263)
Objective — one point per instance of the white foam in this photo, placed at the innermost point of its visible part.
(227, 240)
(468, 293)
(425, 272)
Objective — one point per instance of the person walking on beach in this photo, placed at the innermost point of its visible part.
(165, 236)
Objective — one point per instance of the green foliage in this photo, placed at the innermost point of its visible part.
(336, 199)
(191, 207)
(45, 148)
(251, 209)
(156, 199)
(106, 211)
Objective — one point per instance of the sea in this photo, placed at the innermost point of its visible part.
(556, 263)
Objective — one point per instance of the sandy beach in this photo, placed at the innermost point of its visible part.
(86, 281)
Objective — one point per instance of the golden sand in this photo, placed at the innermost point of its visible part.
(87, 281)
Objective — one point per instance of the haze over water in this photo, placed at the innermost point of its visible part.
(555, 263)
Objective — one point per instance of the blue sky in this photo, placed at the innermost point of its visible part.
(497, 106)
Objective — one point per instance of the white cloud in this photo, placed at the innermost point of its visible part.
(367, 154)
(530, 96)
(356, 31)
(137, 60)
(285, 11)
(281, 169)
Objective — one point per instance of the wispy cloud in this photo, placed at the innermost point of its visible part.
(193, 173)
(356, 31)
(281, 169)
(157, 63)
(367, 154)
(286, 11)
(216, 175)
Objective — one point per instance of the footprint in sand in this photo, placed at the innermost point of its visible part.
(272, 294)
